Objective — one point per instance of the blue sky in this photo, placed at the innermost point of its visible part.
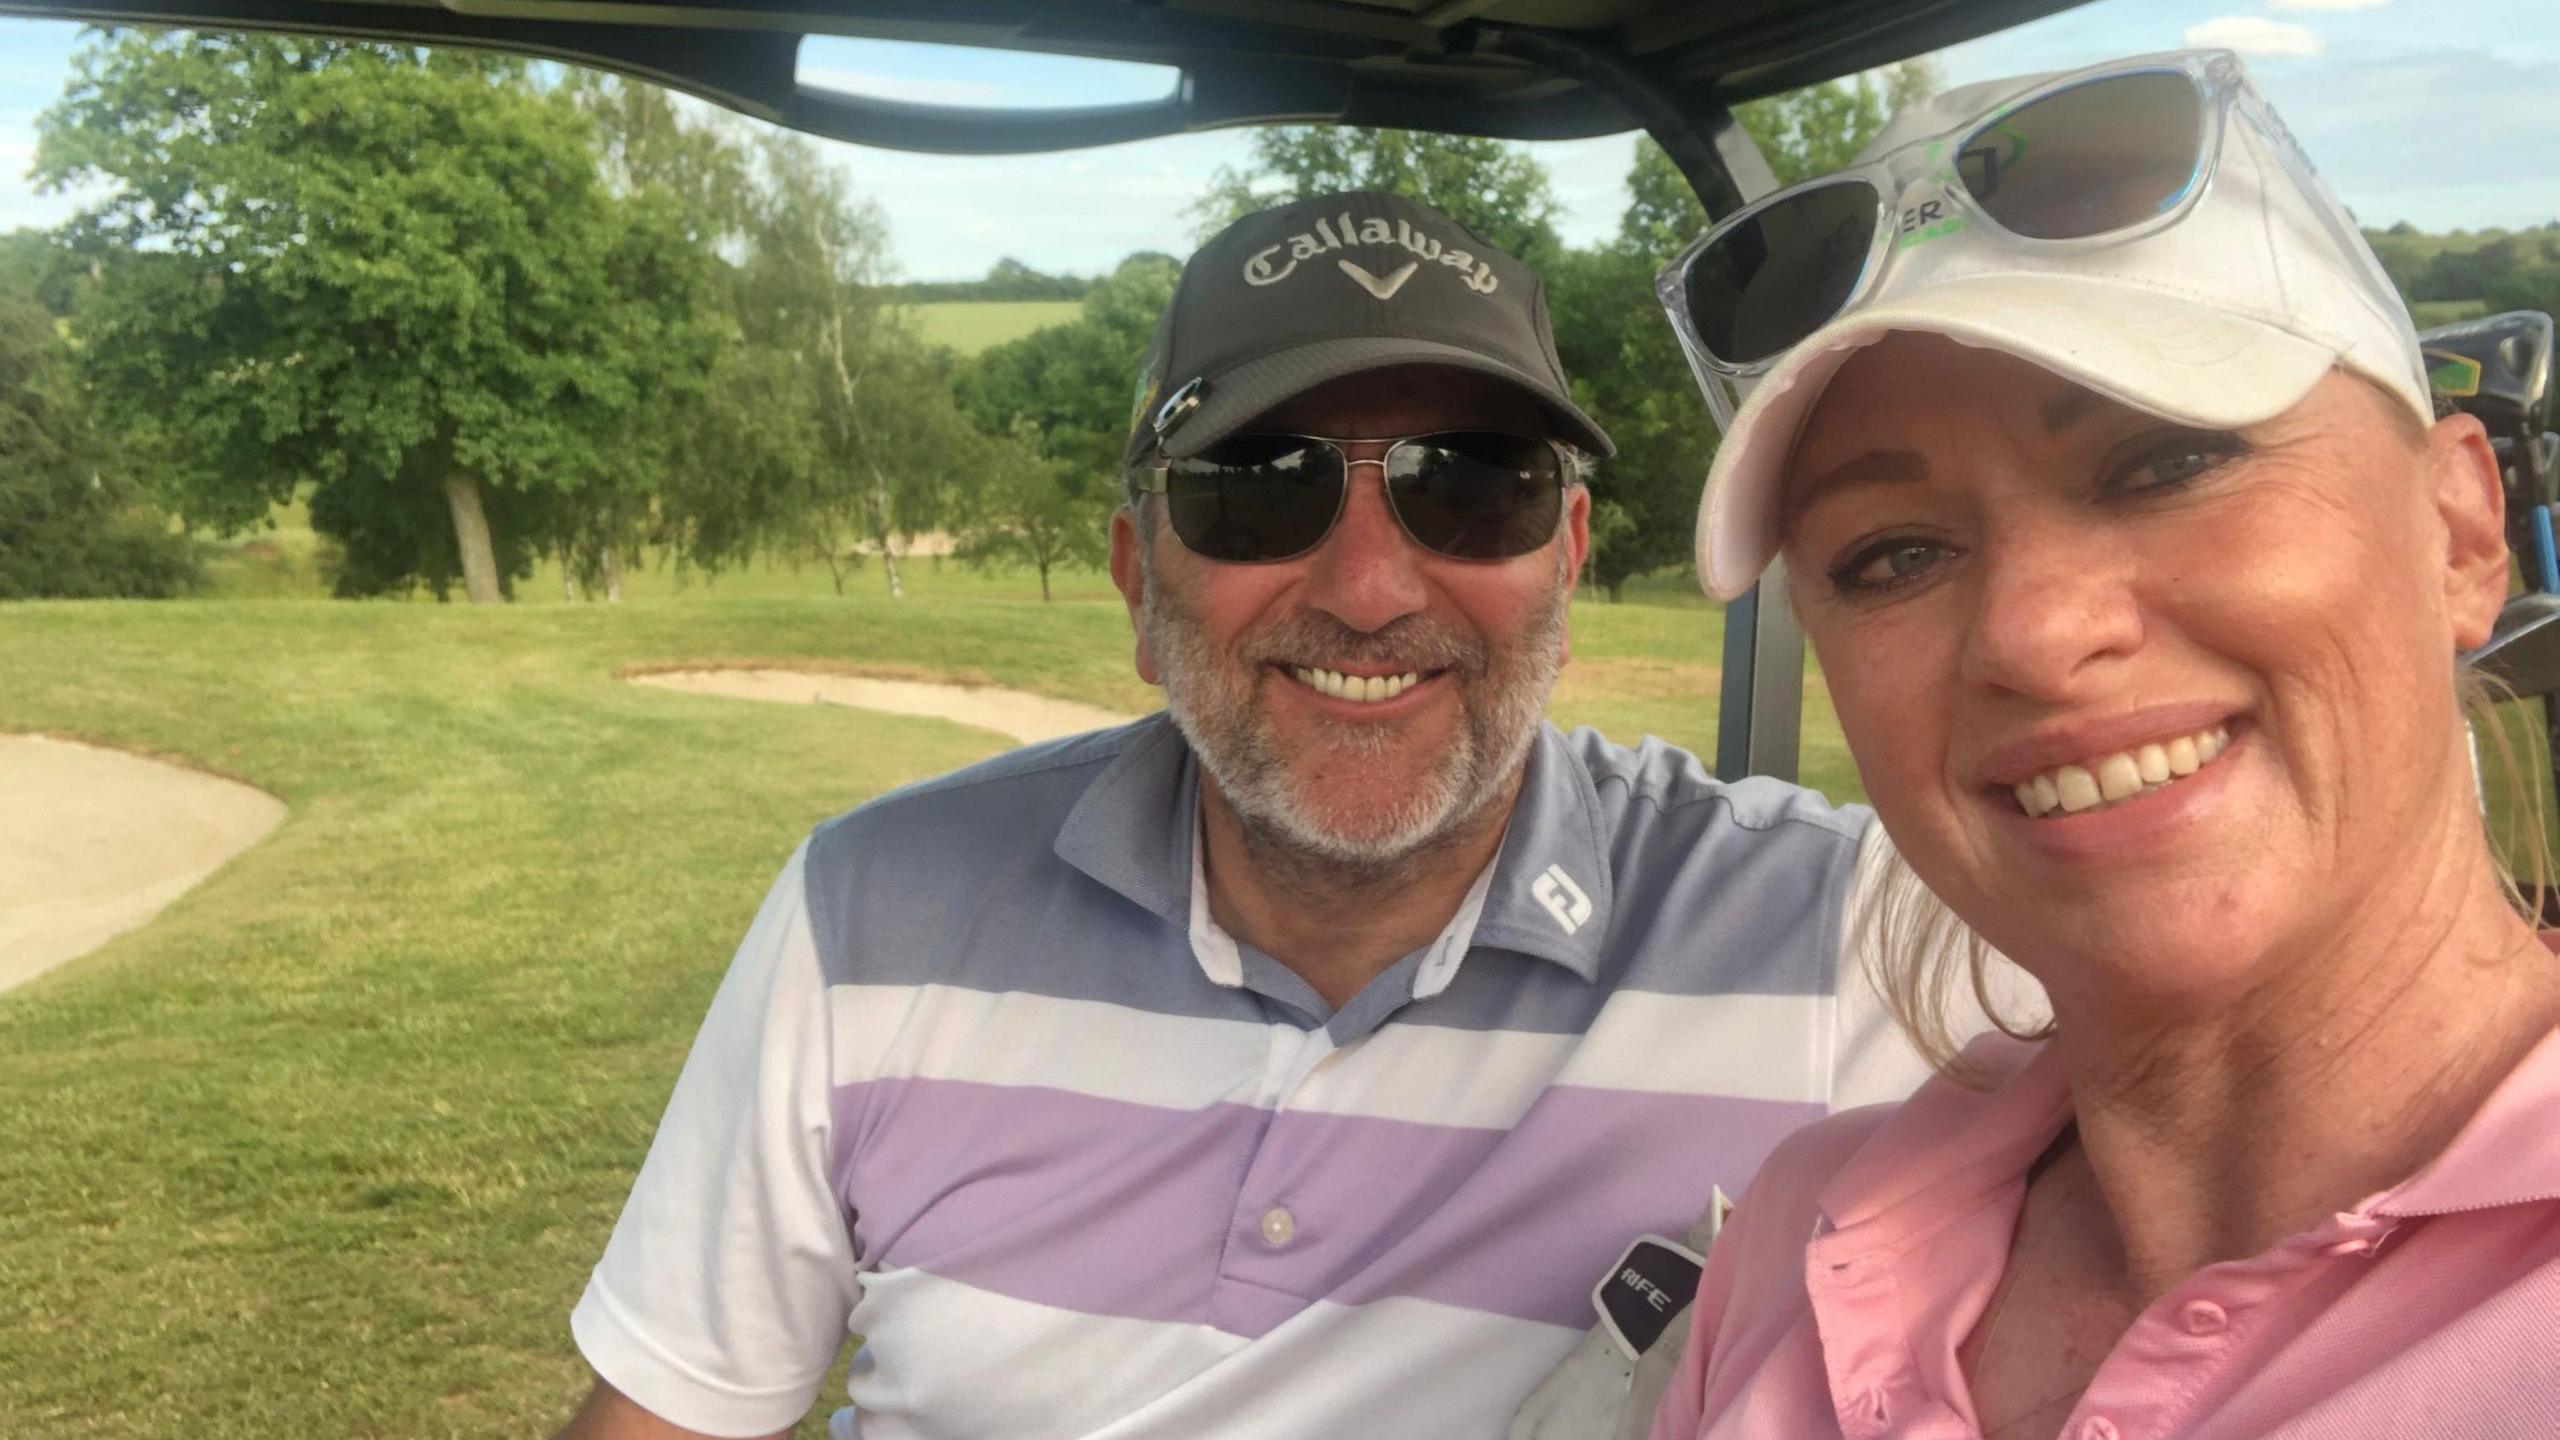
(2442, 112)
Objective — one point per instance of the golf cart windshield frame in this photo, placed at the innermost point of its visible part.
(1508, 69)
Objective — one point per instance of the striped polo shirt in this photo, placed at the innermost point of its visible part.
(986, 1087)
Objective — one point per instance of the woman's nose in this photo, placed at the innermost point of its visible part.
(2055, 604)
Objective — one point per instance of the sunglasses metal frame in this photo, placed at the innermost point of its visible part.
(2221, 87)
(1154, 479)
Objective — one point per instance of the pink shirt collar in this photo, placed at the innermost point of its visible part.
(1952, 1147)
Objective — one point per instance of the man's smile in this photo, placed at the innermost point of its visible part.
(1360, 689)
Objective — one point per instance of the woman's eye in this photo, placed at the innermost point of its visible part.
(2176, 463)
(1888, 564)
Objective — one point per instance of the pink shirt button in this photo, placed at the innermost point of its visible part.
(2097, 1427)
(2202, 1317)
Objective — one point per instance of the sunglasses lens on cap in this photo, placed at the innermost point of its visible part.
(1782, 272)
(2096, 158)
(1254, 497)
(1477, 495)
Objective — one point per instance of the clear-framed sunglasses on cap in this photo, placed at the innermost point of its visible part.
(2099, 157)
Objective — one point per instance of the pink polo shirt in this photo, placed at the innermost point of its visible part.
(1870, 1244)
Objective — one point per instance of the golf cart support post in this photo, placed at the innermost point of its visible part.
(1506, 69)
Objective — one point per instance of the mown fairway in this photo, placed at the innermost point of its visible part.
(970, 326)
(328, 1149)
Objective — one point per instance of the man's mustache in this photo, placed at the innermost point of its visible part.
(1314, 639)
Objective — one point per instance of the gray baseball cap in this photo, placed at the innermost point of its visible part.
(1289, 298)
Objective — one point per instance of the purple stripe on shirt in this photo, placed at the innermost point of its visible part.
(1105, 1207)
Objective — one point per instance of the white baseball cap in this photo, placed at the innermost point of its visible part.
(2224, 319)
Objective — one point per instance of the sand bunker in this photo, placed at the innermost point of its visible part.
(94, 842)
(1014, 713)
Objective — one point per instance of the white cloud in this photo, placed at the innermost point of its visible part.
(2332, 6)
(2254, 35)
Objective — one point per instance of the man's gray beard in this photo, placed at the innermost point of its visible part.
(1502, 692)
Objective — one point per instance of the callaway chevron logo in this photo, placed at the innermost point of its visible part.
(1342, 232)
(1384, 289)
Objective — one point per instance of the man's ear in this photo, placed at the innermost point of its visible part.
(1129, 575)
(1577, 549)
(2472, 505)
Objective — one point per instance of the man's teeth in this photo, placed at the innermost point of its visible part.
(2092, 784)
(1364, 688)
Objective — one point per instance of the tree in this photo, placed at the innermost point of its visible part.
(1626, 364)
(2528, 287)
(1821, 128)
(72, 525)
(686, 192)
(390, 275)
(1032, 510)
(1074, 383)
(1497, 190)
(868, 441)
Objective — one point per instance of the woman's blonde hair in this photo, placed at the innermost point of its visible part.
(1922, 959)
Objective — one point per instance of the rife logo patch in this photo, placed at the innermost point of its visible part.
(1645, 1291)
(1564, 900)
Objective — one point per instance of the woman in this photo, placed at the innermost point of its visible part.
(2105, 477)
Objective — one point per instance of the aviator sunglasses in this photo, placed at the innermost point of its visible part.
(1463, 494)
(2103, 156)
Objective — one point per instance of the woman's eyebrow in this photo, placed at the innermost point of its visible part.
(1875, 467)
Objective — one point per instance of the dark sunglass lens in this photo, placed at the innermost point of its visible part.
(1477, 495)
(1779, 275)
(2090, 160)
(1254, 497)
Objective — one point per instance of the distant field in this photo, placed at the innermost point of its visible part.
(970, 326)
(2431, 313)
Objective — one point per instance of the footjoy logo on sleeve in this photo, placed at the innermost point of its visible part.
(1563, 899)
(1342, 232)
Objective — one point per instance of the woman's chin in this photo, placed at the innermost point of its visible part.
(2171, 956)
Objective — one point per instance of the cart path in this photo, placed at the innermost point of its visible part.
(94, 842)
(1015, 714)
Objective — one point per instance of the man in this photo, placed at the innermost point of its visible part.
(1290, 1065)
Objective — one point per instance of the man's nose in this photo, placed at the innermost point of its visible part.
(2055, 603)
(1368, 572)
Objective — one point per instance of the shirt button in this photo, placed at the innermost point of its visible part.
(2097, 1427)
(2202, 1317)
(1279, 1227)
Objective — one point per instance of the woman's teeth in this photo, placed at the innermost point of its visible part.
(1364, 688)
(2095, 784)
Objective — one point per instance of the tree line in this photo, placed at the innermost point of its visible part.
(2518, 271)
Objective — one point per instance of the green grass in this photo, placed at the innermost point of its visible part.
(970, 326)
(329, 1148)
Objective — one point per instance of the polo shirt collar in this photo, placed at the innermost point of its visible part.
(1548, 894)
(2508, 1153)
(1131, 831)
(1951, 1146)
(1551, 895)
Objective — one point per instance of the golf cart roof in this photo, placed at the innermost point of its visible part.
(1512, 69)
